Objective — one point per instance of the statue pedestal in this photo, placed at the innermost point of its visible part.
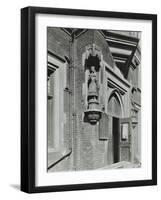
(93, 115)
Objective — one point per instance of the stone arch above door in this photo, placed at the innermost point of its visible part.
(115, 106)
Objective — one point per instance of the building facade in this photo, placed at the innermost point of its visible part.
(94, 99)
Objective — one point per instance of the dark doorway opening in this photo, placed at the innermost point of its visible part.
(116, 140)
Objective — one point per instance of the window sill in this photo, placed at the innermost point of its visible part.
(57, 156)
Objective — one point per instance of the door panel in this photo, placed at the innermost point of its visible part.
(125, 139)
(110, 159)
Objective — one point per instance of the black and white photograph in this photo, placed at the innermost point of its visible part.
(93, 99)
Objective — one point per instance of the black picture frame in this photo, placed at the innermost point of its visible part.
(28, 98)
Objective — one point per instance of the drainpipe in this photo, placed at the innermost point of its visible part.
(72, 54)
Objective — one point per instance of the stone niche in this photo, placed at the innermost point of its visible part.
(92, 67)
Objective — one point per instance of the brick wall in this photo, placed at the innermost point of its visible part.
(91, 153)
(58, 42)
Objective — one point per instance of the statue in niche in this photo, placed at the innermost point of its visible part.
(92, 64)
(92, 82)
(93, 89)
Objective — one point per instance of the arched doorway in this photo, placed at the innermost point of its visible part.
(115, 110)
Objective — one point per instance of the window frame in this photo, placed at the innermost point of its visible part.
(58, 152)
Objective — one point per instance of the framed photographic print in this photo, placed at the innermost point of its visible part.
(88, 99)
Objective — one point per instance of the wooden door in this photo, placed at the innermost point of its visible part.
(125, 139)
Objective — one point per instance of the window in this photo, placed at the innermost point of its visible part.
(50, 107)
(124, 132)
(56, 83)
